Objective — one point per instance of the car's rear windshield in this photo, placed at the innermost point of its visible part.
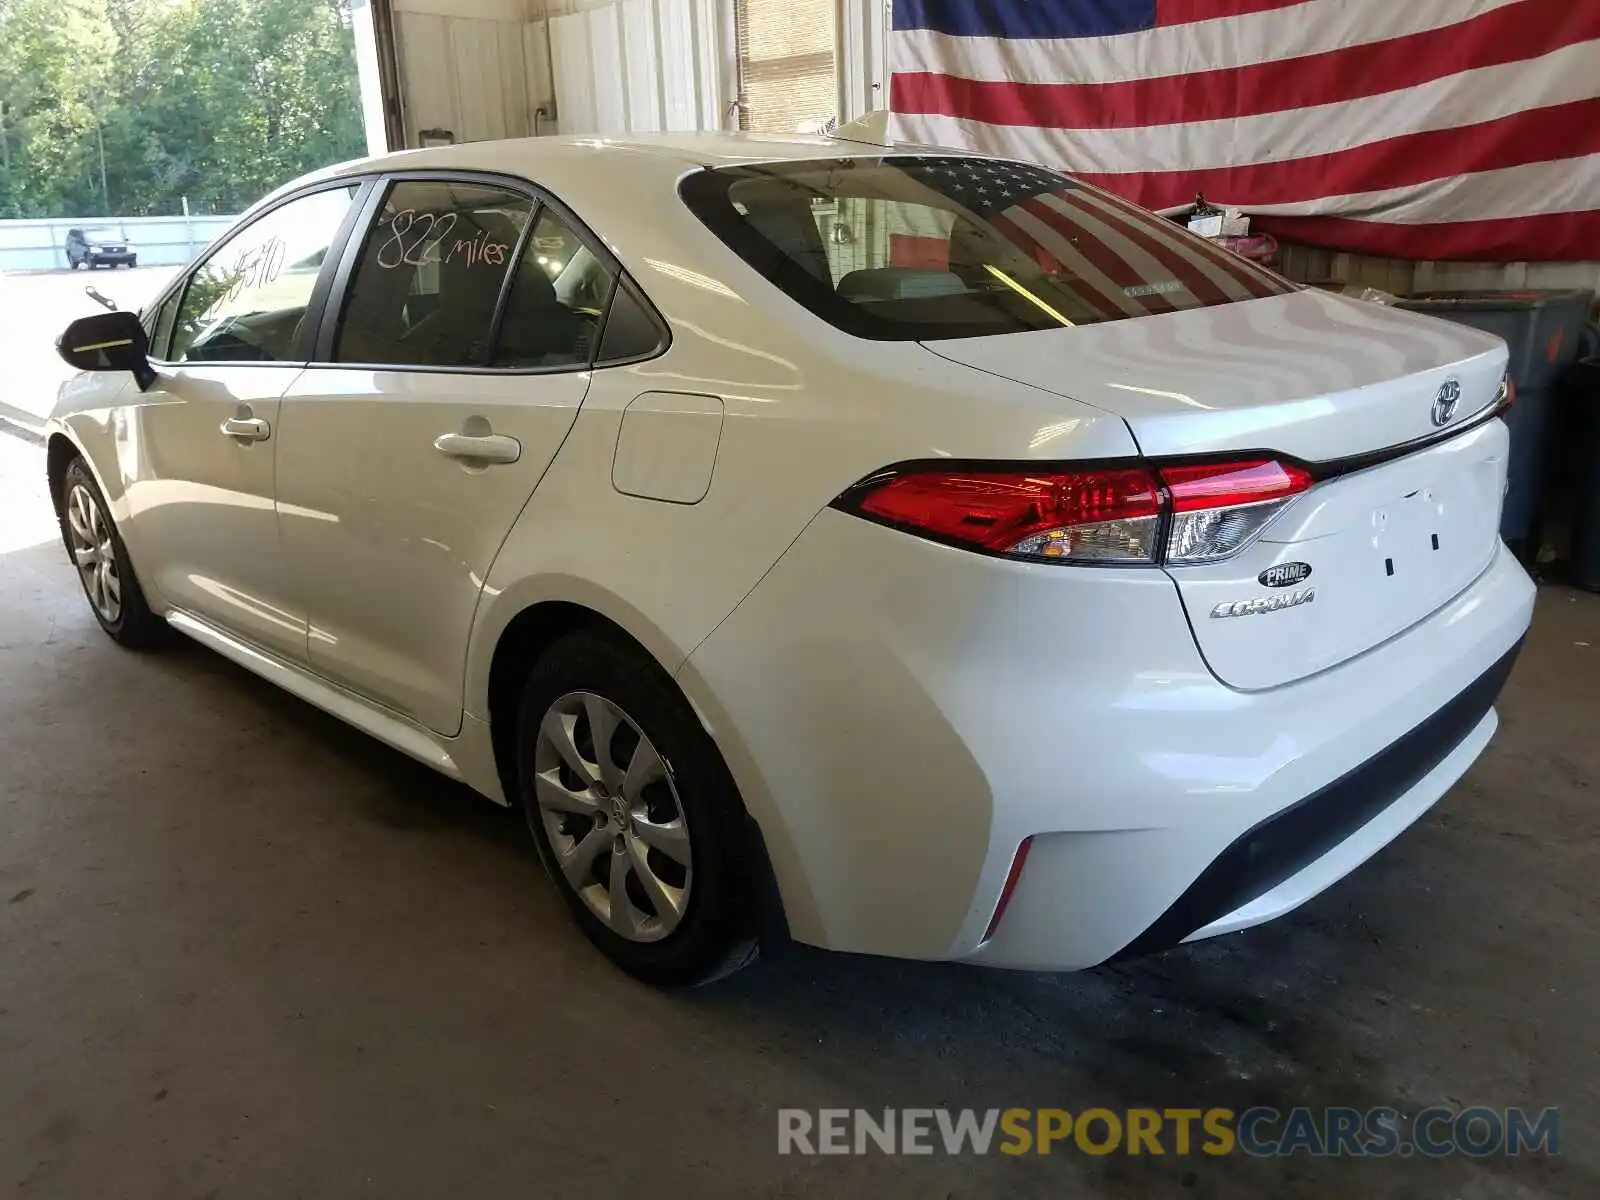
(923, 246)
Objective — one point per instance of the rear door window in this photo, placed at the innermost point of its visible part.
(428, 281)
(557, 301)
(926, 246)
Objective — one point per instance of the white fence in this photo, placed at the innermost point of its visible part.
(158, 241)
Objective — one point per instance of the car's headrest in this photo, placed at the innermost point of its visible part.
(470, 280)
(899, 283)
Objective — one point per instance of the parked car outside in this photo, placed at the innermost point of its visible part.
(1013, 577)
(99, 245)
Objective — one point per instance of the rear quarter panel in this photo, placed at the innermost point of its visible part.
(808, 412)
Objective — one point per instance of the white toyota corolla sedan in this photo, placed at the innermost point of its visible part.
(926, 554)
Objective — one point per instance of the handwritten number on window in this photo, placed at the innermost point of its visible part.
(414, 238)
(417, 239)
(253, 269)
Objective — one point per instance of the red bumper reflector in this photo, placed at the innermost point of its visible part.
(1012, 876)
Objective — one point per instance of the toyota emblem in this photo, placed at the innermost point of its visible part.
(1444, 404)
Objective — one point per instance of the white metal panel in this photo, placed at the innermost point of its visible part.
(541, 84)
(610, 68)
(516, 111)
(714, 42)
(680, 65)
(862, 62)
(482, 10)
(479, 104)
(427, 71)
(637, 66)
(574, 74)
(642, 55)
(464, 74)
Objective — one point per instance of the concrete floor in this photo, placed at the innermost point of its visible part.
(245, 952)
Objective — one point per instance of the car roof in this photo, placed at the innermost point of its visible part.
(564, 162)
(672, 151)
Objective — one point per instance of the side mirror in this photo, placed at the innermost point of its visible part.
(113, 341)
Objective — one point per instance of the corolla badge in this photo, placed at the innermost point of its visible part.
(1285, 575)
(1267, 604)
(1446, 402)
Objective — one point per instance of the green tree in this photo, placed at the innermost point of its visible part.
(125, 107)
(49, 69)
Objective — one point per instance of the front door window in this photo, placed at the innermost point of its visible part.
(246, 302)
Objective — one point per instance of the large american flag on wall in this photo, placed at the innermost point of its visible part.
(1427, 129)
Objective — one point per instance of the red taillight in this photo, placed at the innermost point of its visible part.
(1110, 515)
(1046, 514)
(1219, 507)
(1226, 485)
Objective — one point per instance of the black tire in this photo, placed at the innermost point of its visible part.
(134, 626)
(718, 931)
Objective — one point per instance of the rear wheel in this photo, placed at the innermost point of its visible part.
(101, 559)
(636, 818)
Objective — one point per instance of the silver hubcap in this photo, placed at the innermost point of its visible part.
(90, 534)
(610, 808)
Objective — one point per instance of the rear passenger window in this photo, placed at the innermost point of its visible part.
(557, 300)
(428, 281)
(632, 331)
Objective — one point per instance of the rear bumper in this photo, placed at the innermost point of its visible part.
(900, 716)
(1238, 888)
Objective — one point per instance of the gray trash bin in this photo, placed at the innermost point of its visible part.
(1543, 329)
(1586, 475)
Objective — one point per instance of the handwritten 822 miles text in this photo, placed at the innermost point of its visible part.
(418, 239)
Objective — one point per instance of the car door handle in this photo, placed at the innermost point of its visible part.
(484, 448)
(247, 429)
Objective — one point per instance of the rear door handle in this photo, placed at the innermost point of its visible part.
(247, 429)
(483, 448)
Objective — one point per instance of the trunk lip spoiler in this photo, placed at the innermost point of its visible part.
(1333, 468)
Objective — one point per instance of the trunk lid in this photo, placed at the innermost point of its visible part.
(1310, 374)
(1368, 555)
(1370, 550)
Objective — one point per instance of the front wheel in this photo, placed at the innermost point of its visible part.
(636, 817)
(98, 553)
